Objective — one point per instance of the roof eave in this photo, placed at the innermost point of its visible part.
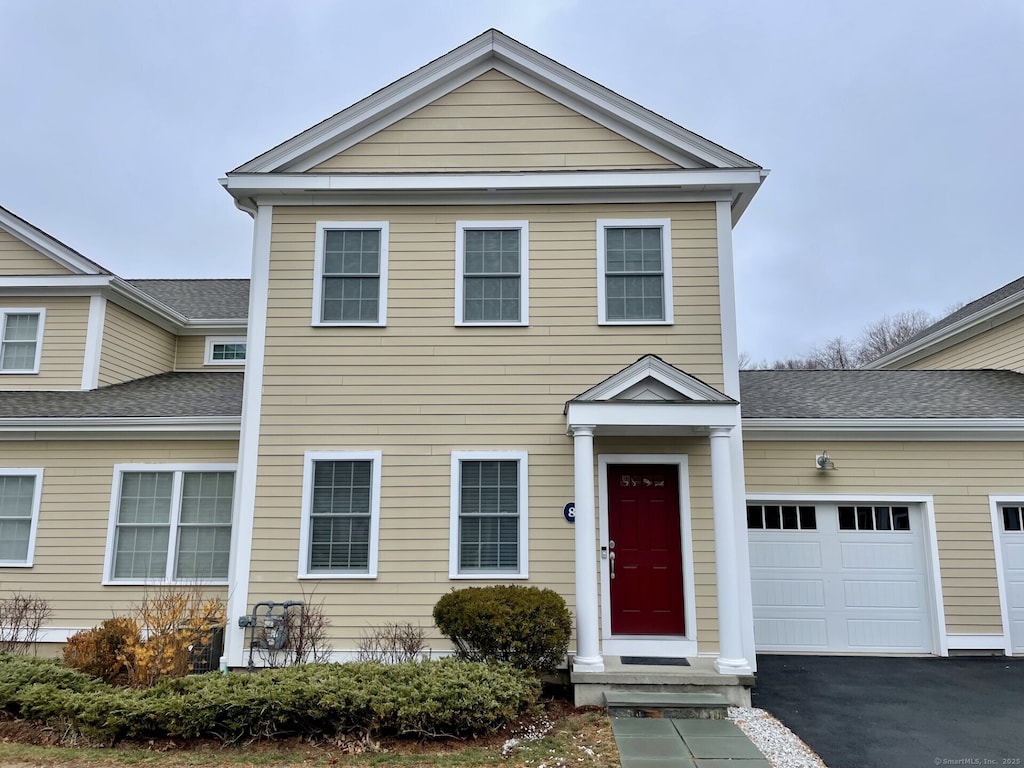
(982, 429)
(995, 314)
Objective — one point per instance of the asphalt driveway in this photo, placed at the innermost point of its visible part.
(869, 712)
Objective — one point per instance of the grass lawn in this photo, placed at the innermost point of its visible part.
(561, 737)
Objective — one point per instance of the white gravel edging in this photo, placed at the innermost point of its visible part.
(781, 747)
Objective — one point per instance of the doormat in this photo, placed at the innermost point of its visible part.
(657, 661)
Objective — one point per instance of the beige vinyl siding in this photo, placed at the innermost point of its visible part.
(74, 515)
(999, 347)
(63, 351)
(421, 388)
(493, 123)
(19, 258)
(959, 475)
(133, 347)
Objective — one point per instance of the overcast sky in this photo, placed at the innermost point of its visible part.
(893, 129)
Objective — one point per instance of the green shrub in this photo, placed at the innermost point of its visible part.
(101, 651)
(443, 697)
(524, 626)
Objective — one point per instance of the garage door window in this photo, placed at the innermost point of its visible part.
(1013, 519)
(870, 518)
(785, 517)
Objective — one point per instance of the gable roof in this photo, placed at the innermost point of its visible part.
(48, 245)
(493, 50)
(206, 395)
(652, 379)
(999, 306)
(201, 299)
(863, 394)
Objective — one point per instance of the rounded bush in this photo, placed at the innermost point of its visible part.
(527, 627)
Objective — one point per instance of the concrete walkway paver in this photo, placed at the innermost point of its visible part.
(650, 742)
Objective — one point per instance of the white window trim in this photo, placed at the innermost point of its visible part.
(524, 527)
(666, 257)
(524, 269)
(172, 542)
(37, 495)
(41, 311)
(212, 341)
(375, 458)
(318, 272)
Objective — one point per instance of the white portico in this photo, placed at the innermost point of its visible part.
(634, 582)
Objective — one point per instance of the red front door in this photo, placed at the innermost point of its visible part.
(644, 547)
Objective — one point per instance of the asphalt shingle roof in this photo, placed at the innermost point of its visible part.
(201, 299)
(166, 395)
(862, 394)
(986, 301)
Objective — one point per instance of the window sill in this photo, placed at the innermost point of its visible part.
(488, 576)
(15, 564)
(323, 324)
(164, 583)
(635, 322)
(27, 370)
(335, 575)
(518, 324)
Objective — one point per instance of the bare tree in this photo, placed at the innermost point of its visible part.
(883, 336)
(878, 338)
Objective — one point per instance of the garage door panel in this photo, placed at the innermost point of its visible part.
(785, 554)
(808, 634)
(892, 635)
(874, 555)
(824, 589)
(882, 594)
(789, 592)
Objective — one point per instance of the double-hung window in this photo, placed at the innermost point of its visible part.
(351, 273)
(20, 491)
(634, 263)
(492, 272)
(21, 340)
(489, 531)
(341, 514)
(170, 524)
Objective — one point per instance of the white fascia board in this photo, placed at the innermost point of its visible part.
(990, 317)
(42, 285)
(496, 197)
(48, 245)
(697, 179)
(219, 326)
(884, 429)
(645, 414)
(218, 427)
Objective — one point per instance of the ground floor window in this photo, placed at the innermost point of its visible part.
(489, 517)
(341, 514)
(171, 524)
(19, 512)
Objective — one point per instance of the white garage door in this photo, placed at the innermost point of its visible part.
(1012, 524)
(839, 578)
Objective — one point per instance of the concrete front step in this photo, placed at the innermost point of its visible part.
(700, 677)
(679, 706)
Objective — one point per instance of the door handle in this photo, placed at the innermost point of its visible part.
(611, 563)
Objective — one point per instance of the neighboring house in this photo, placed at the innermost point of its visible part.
(489, 292)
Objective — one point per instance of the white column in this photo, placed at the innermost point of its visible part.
(588, 653)
(730, 659)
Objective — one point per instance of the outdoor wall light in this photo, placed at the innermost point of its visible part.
(823, 462)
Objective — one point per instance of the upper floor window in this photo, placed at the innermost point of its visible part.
(21, 340)
(489, 515)
(170, 524)
(492, 272)
(20, 491)
(351, 273)
(634, 265)
(341, 514)
(225, 351)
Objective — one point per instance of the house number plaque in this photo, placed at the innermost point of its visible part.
(569, 512)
